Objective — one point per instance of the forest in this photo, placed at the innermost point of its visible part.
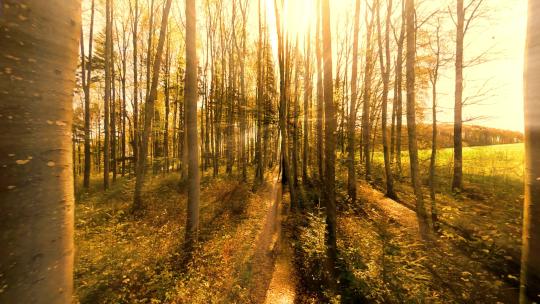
(269, 151)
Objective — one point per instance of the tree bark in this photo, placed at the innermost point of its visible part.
(530, 259)
(411, 106)
(351, 173)
(190, 97)
(38, 61)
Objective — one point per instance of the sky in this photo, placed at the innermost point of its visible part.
(499, 81)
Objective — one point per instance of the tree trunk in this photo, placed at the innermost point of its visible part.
(135, 86)
(307, 108)
(282, 55)
(530, 259)
(320, 97)
(398, 94)
(86, 79)
(190, 97)
(366, 124)
(106, 103)
(434, 77)
(330, 146)
(457, 180)
(36, 199)
(385, 70)
(259, 167)
(351, 173)
(149, 111)
(411, 106)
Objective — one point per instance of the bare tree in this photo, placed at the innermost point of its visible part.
(86, 78)
(351, 173)
(411, 105)
(385, 71)
(149, 111)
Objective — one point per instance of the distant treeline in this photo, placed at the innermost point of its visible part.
(472, 136)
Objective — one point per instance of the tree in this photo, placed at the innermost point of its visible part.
(86, 78)
(385, 71)
(282, 57)
(37, 198)
(330, 142)
(107, 99)
(366, 107)
(351, 173)
(530, 259)
(462, 25)
(433, 78)
(190, 98)
(149, 111)
(411, 105)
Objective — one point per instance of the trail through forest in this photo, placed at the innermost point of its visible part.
(452, 271)
(273, 270)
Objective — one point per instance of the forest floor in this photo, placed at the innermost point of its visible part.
(242, 256)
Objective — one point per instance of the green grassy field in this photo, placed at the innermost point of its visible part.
(489, 167)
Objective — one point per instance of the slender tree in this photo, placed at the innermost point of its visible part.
(107, 99)
(530, 259)
(351, 173)
(149, 111)
(190, 97)
(330, 142)
(86, 78)
(433, 78)
(38, 60)
(384, 59)
(411, 105)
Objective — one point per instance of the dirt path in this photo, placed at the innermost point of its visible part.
(454, 273)
(282, 289)
(273, 278)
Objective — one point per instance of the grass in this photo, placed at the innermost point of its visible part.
(485, 219)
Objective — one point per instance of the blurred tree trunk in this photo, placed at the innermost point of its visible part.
(190, 97)
(320, 96)
(351, 173)
(307, 106)
(149, 111)
(530, 259)
(330, 143)
(411, 105)
(36, 199)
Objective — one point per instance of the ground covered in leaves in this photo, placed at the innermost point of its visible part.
(123, 259)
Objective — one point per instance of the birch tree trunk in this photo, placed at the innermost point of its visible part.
(36, 197)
